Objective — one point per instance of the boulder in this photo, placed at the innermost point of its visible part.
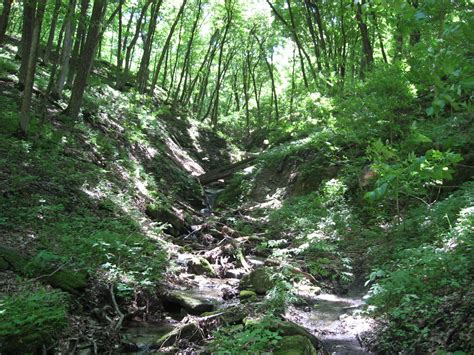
(258, 280)
(229, 316)
(246, 295)
(165, 214)
(192, 303)
(294, 345)
(200, 266)
(289, 329)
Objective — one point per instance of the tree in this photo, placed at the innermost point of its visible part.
(86, 58)
(52, 31)
(37, 8)
(4, 17)
(65, 57)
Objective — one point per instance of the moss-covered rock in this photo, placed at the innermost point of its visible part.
(192, 303)
(259, 280)
(166, 214)
(289, 329)
(294, 345)
(31, 319)
(247, 296)
(201, 266)
(66, 280)
(229, 316)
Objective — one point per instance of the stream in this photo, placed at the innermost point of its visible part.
(336, 320)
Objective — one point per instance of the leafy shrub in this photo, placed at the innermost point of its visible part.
(30, 319)
(254, 337)
(428, 280)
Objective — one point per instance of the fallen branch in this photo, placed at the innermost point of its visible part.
(118, 325)
(272, 262)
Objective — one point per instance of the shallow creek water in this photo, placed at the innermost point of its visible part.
(337, 320)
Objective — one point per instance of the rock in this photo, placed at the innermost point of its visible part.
(66, 280)
(229, 316)
(258, 280)
(306, 294)
(164, 214)
(200, 266)
(234, 273)
(295, 345)
(192, 303)
(247, 294)
(289, 329)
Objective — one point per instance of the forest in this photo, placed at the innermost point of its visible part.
(236, 177)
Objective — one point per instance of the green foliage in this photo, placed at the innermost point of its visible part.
(420, 283)
(9, 115)
(31, 319)
(254, 337)
(411, 176)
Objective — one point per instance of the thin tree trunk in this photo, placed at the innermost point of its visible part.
(29, 9)
(66, 50)
(185, 97)
(245, 82)
(293, 83)
(142, 77)
(38, 14)
(272, 77)
(187, 56)
(86, 59)
(52, 31)
(131, 46)
(7, 5)
(366, 45)
(309, 21)
(313, 4)
(166, 45)
(175, 66)
(122, 44)
(78, 41)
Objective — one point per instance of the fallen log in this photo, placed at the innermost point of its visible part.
(225, 171)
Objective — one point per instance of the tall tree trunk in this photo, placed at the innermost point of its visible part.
(272, 77)
(245, 82)
(65, 59)
(293, 81)
(122, 45)
(301, 50)
(342, 64)
(7, 5)
(29, 9)
(38, 14)
(142, 77)
(220, 69)
(52, 31)
(131, 46)
(314, 39)
(255, 92)
(379, 36)
(185, 97)
(187, 56)
(366, 45)
(86, 59)
(166, 45)
(78, 41)
(313, 5)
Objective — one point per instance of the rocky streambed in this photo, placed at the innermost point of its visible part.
(218, 281)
